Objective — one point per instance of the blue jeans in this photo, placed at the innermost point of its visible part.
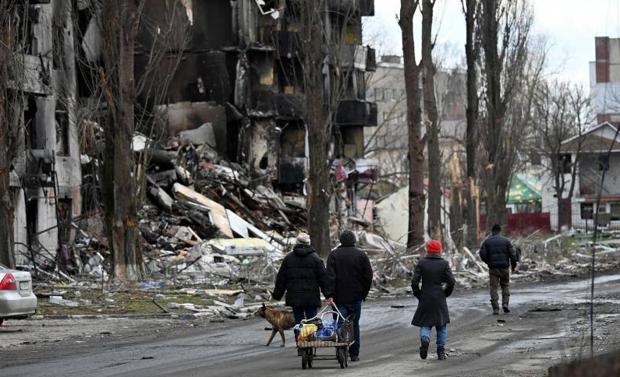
(303, 312)
(442, 334)
(354, 310)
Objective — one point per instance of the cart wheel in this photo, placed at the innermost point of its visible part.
(304, 361)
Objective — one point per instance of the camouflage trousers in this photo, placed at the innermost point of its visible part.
(499, 277)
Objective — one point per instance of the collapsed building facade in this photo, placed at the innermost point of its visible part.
(241, 78)
(239, 84)
(46, 174)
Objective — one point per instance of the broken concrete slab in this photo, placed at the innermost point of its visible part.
(242, 246)
(198, 136)
(217, 211)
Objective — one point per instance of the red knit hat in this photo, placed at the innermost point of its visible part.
(433, 247)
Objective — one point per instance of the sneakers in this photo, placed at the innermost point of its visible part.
(355, 358)
(495, 311)
(441, 354)
(506, 310)
(424, 348)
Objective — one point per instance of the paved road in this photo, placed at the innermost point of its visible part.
(530, 340)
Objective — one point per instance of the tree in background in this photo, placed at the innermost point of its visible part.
(417, 198)
(433, 124)
(470, 10)
(505, 28)
(561, 111)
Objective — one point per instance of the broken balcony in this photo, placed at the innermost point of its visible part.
(282, 105)
(356, 113)
(37, 75)
(358, 57)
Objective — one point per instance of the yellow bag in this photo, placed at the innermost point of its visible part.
(307, 331)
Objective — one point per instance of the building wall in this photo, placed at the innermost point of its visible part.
(605, 79)
(590, 175)
(50, 148)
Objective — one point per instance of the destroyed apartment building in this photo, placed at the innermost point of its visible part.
(232, 124)
(45, 176)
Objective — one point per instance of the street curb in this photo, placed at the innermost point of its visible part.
(113, 316)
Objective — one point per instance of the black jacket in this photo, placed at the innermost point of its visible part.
(497, 252)
(432, 308)
(301, 275)
(350, 274)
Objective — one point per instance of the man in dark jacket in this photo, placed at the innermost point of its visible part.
(301, 275)
(432, 308)
(350, 275)
(499, 254)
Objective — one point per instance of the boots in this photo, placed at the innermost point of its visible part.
(424, 348)
(441, 353)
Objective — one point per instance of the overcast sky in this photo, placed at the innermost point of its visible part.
(569, 25)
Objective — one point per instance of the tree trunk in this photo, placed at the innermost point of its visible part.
(317, 127)
(496, 176)
(471, 142)
(121, 22)
(430, 107)
(415, 236)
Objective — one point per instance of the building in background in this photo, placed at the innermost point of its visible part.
(605, 80)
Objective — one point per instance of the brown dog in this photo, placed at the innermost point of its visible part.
(280, 320)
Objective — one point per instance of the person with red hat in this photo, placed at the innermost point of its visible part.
(437, 283)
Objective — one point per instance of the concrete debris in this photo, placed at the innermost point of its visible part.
(58, 300)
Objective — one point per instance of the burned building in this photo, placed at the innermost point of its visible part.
(241, 74)
(234, 77)
(46, 173)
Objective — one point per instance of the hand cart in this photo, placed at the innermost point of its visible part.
(308, 349)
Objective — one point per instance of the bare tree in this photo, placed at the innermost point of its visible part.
(433, 124)
(505, 27)
(561, 111)
(470, 10)
(120, 25)
(318, 124)
(417, 197)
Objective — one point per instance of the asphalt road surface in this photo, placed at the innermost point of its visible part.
(547, 325)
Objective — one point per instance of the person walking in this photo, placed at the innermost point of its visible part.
(499, 254)
(437, 284)
(350, 276)
(302, 276)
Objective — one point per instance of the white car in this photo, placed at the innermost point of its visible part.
(16, 297)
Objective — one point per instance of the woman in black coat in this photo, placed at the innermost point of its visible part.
(437, 284)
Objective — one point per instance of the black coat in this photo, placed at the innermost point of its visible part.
(350, 274)
(497, 252)
(432, 309)
(301, 275)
